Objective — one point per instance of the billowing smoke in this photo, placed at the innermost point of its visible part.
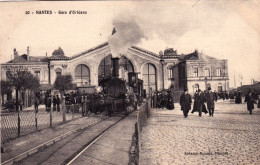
(127, 33)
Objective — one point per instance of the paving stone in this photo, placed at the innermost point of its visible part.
(232, 136)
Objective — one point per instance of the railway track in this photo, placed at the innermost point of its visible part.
(64, 148)
(70, 160)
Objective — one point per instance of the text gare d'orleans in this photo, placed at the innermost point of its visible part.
(58, 12)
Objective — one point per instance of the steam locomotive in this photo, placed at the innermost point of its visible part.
(115, 97)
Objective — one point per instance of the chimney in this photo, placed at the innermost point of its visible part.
(46, 54)
(115, 67)
(15, 53)
(28, 53)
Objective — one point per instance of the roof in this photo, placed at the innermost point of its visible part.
(23, 59)
(196, 56)
(90, 50)
(100, 46)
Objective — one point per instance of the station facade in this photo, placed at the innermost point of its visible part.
(158, 71)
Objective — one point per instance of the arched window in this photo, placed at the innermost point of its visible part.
(82, 74)
(149, 77)
(126, 64)
(105, 67)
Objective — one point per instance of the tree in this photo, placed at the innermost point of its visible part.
(22, 80)
(6, 88)
(63, 83)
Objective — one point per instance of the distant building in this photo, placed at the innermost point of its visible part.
(158, 71)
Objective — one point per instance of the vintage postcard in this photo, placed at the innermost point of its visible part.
(130, 82)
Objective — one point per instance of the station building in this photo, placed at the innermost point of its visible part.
(157, 71)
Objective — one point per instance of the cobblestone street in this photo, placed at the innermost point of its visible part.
(232, 136)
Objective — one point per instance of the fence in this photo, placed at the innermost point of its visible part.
(143, 113)
(15, 124)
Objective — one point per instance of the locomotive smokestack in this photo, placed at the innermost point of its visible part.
(115, 70)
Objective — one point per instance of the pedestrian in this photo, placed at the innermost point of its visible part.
(58, 103)
(216, 95)
(48, 103)
(258, 104)
(200, 106)
(54, 101)
(155, 100)
(170, 103)
(195, 105)
(210, 98)
(185, 102)
(159, 100)
(83, 103)
(238, 99)
(163, 100)
(36, 104)
(250, 102)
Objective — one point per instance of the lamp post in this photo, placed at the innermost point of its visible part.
(206, 79)
(162, 63)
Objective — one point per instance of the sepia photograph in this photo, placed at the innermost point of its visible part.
(153, 82)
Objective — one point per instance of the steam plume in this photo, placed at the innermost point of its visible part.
(128, 33)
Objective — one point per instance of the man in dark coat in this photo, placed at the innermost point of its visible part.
(58, 103)
(170, 103)
(216, 95)
(200, 106)
(258, 98)
(155, 100)
(210, 97)
(196, 99)
(238, 99)
(250, 101)
(185, 102)
(54, 101)
(159, 99)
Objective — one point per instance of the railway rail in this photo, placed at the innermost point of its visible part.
(19, 159)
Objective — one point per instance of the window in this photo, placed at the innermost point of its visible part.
(58, 72)
(218, 72)
(149, 78)
(82, 74)
(45, 75)
(219, 87)
(195, 72)
(126, 64)
(105, 67)
(37, 74)
(207, 72)
(170, 72)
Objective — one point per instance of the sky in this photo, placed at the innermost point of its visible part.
(222, 29)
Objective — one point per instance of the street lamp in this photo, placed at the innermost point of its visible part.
(162, 63)
(206, 79)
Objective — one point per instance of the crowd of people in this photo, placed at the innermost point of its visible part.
(209, 97)
(162, 99)
(73, 102)
(204, 101)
